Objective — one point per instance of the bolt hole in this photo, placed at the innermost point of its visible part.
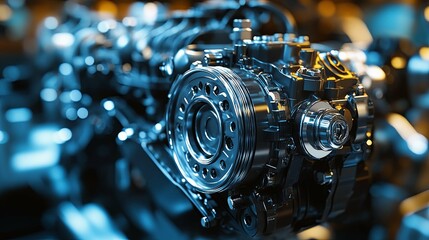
(195, 89)
(213, 173)
(224, 105)
(179, 127)
(232, 126)
(200, 85)
(229, 143)
(205, 172)
(196, 168)
(222, 164)
(208, 89)
(216, 90)
(247, 220)
(182, 108)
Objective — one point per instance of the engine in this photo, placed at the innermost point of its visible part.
(221, 116)
(273, 131)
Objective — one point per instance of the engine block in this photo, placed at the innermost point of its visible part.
(263, 134)
(273, 128)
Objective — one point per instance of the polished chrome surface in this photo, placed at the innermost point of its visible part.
(332, 130)
(322, 129)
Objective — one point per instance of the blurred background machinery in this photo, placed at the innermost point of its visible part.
(85, 133)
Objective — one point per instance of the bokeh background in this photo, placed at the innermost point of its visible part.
(393, 36)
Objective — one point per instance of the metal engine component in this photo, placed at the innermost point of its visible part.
(261, 134)
(322, 128)
(215, 127)
(276, 132)
(214, 120)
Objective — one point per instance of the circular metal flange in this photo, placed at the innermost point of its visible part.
(211, 128)
(322, 129)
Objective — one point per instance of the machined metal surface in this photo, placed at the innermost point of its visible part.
(220, 129)
(249, 121)
(322, 129)
(212, 128)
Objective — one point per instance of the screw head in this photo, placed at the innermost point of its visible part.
(339, 132)
(333, 130)
(207, 222)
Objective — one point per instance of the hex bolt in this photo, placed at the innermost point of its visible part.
(360, 90)
(237, 202)
(207, 221)
(324, 178)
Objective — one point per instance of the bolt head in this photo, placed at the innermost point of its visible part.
(207, 222)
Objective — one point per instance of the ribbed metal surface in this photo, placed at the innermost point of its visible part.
(204, 102)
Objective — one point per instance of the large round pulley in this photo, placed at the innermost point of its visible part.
(211, 128)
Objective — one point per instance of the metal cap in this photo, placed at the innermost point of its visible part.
(332, 130)
(322, 129)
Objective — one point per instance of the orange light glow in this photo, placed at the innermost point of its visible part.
(398, 62)
(424, 53)
(426, 13)
(5, 12)
(326, 8)
(107, 7)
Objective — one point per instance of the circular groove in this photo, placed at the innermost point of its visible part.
(208, 133)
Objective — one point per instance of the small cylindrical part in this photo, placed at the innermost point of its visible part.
(213, 57)
(242, 23)
(240, 50)
(322, 129)
(278, 37)
(333, 131)
(208, 222)
(241, 31)
(237, 202)
(289, 37)
(302, 39)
